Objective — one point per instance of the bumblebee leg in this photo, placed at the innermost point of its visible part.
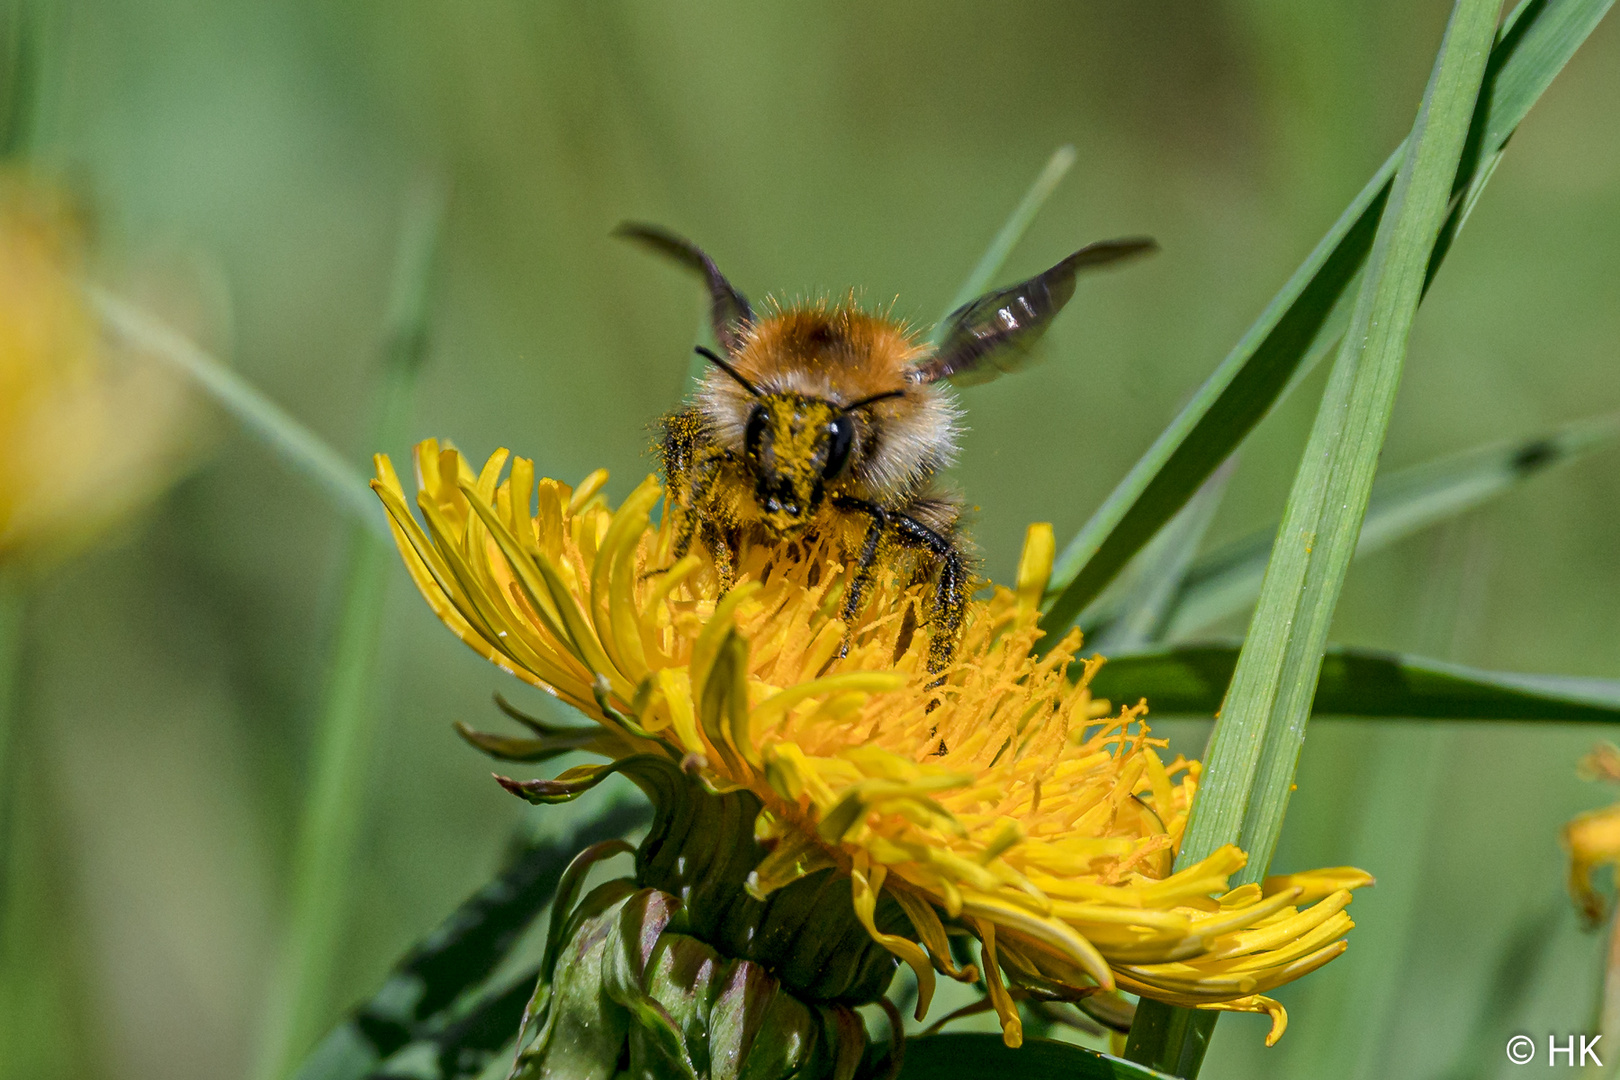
(685, 532)
(720, 550)
(950, 588)
(693, 473)
(865, 562)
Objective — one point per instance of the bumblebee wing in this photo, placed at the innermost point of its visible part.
(997, 332)
(728, 309)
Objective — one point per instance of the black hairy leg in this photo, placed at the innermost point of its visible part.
(865, 562)
(948, 572)
(950, 588)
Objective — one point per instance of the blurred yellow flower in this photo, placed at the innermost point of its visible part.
(1008, 803)
(1592, 839)
(87, 432)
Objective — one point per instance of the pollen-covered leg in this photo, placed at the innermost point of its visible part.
(693, 473)
(950, 603)
(720, 550)
(950, 588)
(865, 561)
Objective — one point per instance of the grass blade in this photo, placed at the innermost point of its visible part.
(978, 282)
(1303, 321)
(1403, 503)
(1254, 748)
(324, 848)
(15, 882)
(300, 447)
(1192, 680)
(425, 1001)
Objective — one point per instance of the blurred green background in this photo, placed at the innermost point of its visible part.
(172, 677)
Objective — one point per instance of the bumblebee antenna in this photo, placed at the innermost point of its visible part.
(873, 400)
(728, 369)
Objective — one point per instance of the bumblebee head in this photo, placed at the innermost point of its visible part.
(795, 445)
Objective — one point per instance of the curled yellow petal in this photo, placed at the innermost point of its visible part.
(865, 899)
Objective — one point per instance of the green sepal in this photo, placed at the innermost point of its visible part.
(657, 1044)
(515, 748)
(565, 788)
(757, 1033)
(843, 1030)
(682, 974)
(568, 887)
(541, 728)
(627, 987)
(702, 850)
(655, 775)
(584, 1032)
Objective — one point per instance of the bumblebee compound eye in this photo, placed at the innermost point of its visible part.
(841, 436)
(754, 433)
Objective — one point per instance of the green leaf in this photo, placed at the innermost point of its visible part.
(1191, 680)
(1253, 751)
(1017, 223)
(981, 1056)
(1226, 581)
(430, 1007)
(1303, 321)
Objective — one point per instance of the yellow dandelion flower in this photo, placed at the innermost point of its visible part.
(1006, 803)
(86, 436)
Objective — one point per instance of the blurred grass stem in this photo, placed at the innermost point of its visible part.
(12, 605)
(11, 627)
(334, 807)
(277, 428)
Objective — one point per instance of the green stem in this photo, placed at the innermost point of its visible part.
(278, 429)
(1170, 1039)
(334, 809)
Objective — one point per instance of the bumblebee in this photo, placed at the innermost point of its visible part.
(827, 421)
